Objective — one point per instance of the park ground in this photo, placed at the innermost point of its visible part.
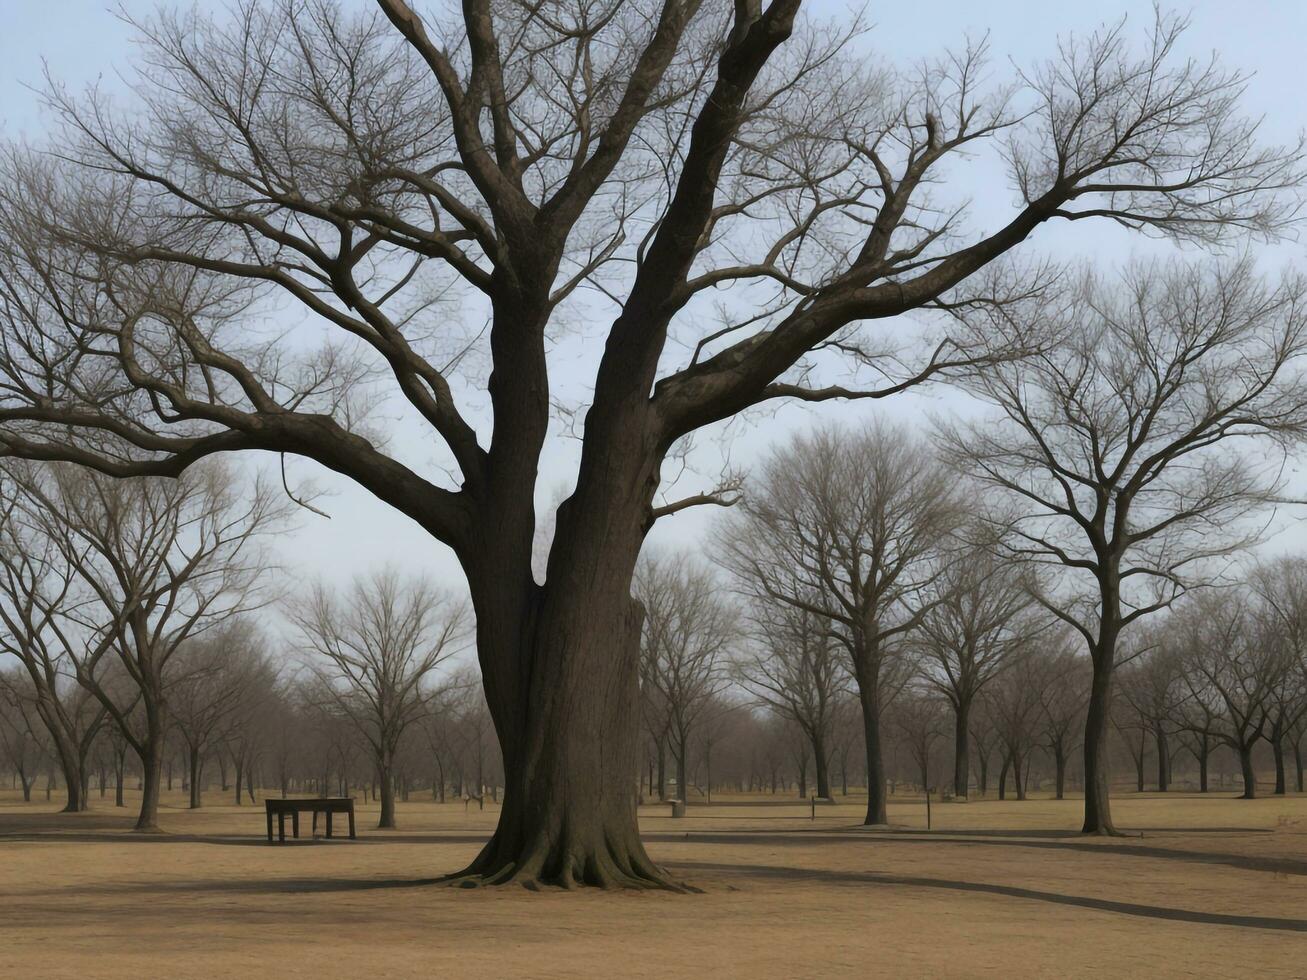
(1211, 887)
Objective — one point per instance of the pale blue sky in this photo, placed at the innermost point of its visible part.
(83, 40)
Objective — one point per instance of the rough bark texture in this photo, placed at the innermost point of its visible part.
(1248, 773)
(194, 764)
(1163, 759)
(386, 777)
(152, 778)
(1281, 783)
(877, 809)
(1098, 809)
(820, 754)
(570, 749)
(961, 751)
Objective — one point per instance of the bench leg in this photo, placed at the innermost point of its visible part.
(351, 823)
(281, 827)
(295, 823)
(269, 826)
(328, 825)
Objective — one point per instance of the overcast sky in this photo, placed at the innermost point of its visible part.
(83, 39)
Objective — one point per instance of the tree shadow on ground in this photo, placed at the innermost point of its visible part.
(298, 886)
(1098, 845)
(258, 840)
(1010, 891)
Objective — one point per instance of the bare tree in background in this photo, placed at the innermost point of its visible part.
(1234, 663)
(39, 627)
(22, 737)
(159, 562)
(968, 635)
(1138, 446)
(440, 727)
(1281, 589)
(795, 667)
(1012, 707)
(689, 629)
(374, 649)
(920, 718)
(215, 675)
(249, 725)
(847, 525)
(1152, 685)
(699, 146)
(1062, 699)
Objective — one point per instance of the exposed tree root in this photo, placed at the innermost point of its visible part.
(1108, 831)
(568, 867)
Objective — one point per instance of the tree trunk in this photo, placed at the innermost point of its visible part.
(1297, 759)
(1249, 775)
(560, 662)
(982, 760)
(387, 780)
(662, 768)
(569, 808)
(151, 778)
(1204, 757)
(120, 773)
(1016, 776)
(1277, 748)
(240, 771)
(1002, 776)
(1098, 808)
(823, 766)
(1139, 764)
(1163, 759)
(249, 781)
(682, 772)
(961, 749)
(803, 777)
(869, 698)
(71, 762)
(193, 768)
(1059, 763)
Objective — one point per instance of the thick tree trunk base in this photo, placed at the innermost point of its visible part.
(1108, 831)
(567, 866)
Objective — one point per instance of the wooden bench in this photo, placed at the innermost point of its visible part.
(329, 805)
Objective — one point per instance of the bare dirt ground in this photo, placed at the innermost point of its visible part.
(1214, 887)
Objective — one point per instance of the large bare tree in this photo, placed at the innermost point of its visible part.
(848, 525)
(374, 650)
(1139, 445)
(620, 161)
